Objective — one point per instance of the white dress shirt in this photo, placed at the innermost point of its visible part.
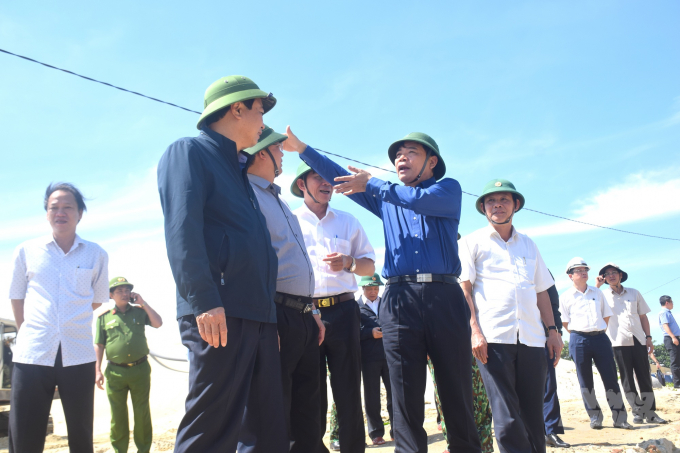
(58, 290)
(505, 278)
(374, 306)
(337, 231)
(585, 312)
(625, 322)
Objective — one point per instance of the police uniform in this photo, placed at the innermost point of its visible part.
(128, 370)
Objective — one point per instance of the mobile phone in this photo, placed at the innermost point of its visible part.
(132, 300)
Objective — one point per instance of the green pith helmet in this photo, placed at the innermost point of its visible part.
(371, 280)
(227, 90)
(268, 137)
(119, 281)
(425, 140)
(302, 170)
(499, 185)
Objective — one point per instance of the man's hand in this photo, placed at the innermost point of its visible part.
(138, 299)
(322, 328)
(377, 332)
(479, 345)
(352, 183)
(293, 143)
(555, 346)
(650, 346)
(338, 261)
(212, 326)
(675, 341)
(99, 379)
(599, 281)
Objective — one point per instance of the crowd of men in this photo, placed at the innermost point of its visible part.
(266, 307)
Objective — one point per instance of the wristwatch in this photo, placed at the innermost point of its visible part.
(649, 337)
(552, 328)
(353, 267)
(316, 311)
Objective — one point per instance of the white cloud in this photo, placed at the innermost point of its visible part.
(641, 196)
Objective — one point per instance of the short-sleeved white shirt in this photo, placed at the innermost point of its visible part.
(625, 321)
(505, 278)
(585, 312)
(338, 231)
(58, 290)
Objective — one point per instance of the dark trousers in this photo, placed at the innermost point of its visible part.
(420, 319)
(674, 352)
(341, 349)
(372, 372)
(551, 404)
(514, 376)
(299, 336)
(235, 397)
(633, 359)
(585, 349)
(31, 400)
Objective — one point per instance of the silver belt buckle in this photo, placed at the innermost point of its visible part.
(308, 308)
(424, 278)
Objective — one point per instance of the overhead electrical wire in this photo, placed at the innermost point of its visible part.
(320, 150)
(678, 278)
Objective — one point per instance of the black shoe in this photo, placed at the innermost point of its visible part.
(335, 445)
(623, 425)
(596, 425)
(553, 440)
(656, 419)
(637, 419)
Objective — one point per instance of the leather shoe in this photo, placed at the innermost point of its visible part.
(553, 440)
(656, 419)
(637, 419)
(378, 441)
(596, 425)
(623, 425)
(335, 445)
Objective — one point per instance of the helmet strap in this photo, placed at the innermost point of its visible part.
(508, 220)
(277, 172)
(304, 181)
(427, 159)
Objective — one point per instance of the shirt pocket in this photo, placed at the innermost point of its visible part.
(113, 331)
(526, 268)
(338, 245)
(631, 307)
(83, 283)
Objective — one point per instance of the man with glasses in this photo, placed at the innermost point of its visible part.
(120, 331)
(671, 332)
(628, 331)
(585, 314)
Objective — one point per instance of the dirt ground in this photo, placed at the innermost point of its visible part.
(169, 390)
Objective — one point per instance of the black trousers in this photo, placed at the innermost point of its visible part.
(299, 336)
(584, 350)
(372, 373)
(674, 352)
(551, 403)
(420, 319)
(342, 350)
(633, 362)
(514, 377)
(235, 397)
(31, 400)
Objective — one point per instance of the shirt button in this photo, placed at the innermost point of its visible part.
(416, 235)
(417, 270)
(416, 252)
(415, 218)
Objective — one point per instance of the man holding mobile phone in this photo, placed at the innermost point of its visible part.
(120, 332)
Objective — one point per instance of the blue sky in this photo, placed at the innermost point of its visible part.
(577, 103)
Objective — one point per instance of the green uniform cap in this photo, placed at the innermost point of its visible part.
(227, 90)
(499, 185)
(425, 140)
(268, 137)
(302, 170)
(119, 281)
(371, 280)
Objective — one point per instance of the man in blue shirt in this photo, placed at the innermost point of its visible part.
(423, 310)
(225, 268)
(671, 332)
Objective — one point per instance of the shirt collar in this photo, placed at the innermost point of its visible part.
(425, 184)
(491, 230)
(50, 239)
(218, 139)
(308, 212)
(261, 182)
(617, 294)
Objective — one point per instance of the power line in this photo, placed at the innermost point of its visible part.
(320, 150)
(661, 286)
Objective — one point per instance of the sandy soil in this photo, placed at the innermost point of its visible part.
(169, 390)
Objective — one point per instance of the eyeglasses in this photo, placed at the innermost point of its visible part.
(611, 274)
(579, 271)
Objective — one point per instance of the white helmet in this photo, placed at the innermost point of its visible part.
(576, 262)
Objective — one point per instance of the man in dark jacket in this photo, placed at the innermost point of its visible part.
(373, 361)
(225, 269)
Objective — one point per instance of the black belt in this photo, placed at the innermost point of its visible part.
(589, 334)
(424, 278)
(131, 364)
(329, 301)
(301, 303)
